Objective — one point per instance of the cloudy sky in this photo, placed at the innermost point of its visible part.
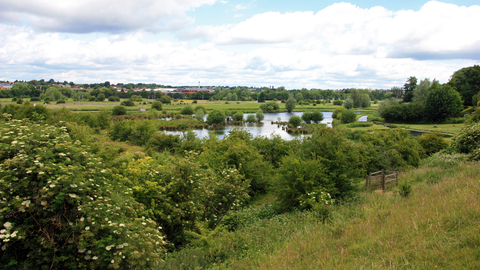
(296, 44)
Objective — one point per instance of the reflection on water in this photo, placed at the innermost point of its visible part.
(264, 128)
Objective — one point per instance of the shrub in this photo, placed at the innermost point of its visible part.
(35, 99)
(348, 104)
(19, 101)
(403, 113)
(405, 189)
(157, 105)
(432, 142)
(260, 116)
(160, 142)
(348, 116)
(128, 103)
(199, 114)
(338, 112)
(187, 110)
(295, 121)
(251, 118)
(61, 101)
(238, 116)
(119, 110)
(270, 107)
(75, 213)
(216, 117)
(338, 102)
(468, 139)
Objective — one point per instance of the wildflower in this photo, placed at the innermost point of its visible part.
(8, 225)
(87, 228)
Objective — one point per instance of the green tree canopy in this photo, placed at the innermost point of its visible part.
(295, 121)
(290, 104)
(467, 82)
(443, 102)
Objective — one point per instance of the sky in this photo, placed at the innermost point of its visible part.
(296, 44)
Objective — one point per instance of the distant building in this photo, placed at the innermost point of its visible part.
(5, 86)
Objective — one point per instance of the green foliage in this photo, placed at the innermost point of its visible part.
(236, 152)
(259, 115)
(34, 113)
(62, 208)
(128, 103)
(270, 107)
(201, 107)
(119, 110)
(135, 132)
(338, 102)
(295, 121)
(404, 113)
(199, 114)
(157, 105)
(160, 142)
(421, 91)
(348, 104)
(432, 143)
(100, 97)
(467, 82)
(290, 104)
(238, 116)
(303, 183)
(348, 116)
(187, 110)
(443, 102)
(166, 99)
(468, 140)
(19, 101)
(216, 117)
(251, 118)
(404, 189)
(337, 113)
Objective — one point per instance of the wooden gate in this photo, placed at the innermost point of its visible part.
(381, 179)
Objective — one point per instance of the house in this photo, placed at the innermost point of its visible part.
(5, 86)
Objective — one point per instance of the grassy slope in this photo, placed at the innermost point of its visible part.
(437, 226)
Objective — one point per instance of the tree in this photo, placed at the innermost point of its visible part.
(187, 110)
(316, 116)
(238, 116)
(119, 110)
(290, 104)
(366, 102)
(409, 86)
(216, 117)
(442, 102)
(100, 97)
(251, 118)
(259, 115)
(166, 99)
(261, 97)
(295, 121)
(199, 114)
(467, 82)
(348, 116)
(157, 105)
(421, 91)
(348, 104)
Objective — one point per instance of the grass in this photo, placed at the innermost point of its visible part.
(436, 227)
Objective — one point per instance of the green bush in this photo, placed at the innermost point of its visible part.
(295, 121)
(348, 116)
(251, 118)
(259, 115)
(338, 102)
(238, 116)
(157, 105)
(405, 189)
(468, 140)
(119, 110)
(432, 143)
(216, 117)
(338, 112)
(61, 101)
(127, 103)
(187, 110)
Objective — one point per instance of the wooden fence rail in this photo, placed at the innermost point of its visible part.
(381, 179)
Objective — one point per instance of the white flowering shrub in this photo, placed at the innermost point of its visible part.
(61, 208)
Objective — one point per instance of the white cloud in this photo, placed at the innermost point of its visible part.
(85, 16)
(337, 47)
(240, 7)
(238, 15)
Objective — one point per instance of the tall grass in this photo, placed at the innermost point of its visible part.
(437, 226)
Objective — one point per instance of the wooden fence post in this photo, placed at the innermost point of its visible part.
(383, 179)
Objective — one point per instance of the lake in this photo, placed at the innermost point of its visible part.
(264, 128)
